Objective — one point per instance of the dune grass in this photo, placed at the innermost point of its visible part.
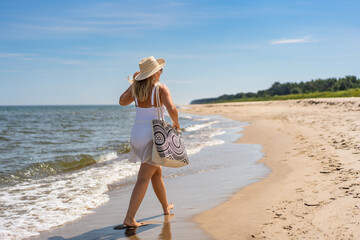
(347, 93)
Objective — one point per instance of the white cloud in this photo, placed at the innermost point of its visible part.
(9, 71)
(117, 18)
(293, 40)
(63, 29)
(19, 56)
(183, 81)
(15, 55)
(73, 62)
(33, 57)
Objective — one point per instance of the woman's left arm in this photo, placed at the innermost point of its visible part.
(126, 98)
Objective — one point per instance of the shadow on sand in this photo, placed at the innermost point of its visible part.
(109, 232)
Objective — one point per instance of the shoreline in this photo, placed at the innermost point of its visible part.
(312, 190)
(193, 193)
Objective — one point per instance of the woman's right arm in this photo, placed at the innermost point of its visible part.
(165, 96)
(126, 98)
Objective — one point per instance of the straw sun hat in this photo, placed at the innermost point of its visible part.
(148, 67)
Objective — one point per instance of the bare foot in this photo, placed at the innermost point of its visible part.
(131, 223)
(167, 211)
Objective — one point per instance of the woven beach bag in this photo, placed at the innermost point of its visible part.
(168, 148)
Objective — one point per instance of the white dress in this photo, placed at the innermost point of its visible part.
(141, 140)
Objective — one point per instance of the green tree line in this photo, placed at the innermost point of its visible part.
(279, 89)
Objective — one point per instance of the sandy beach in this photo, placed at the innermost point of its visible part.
(305, 185)
(313, 192)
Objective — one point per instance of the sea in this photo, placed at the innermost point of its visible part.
(58, 163)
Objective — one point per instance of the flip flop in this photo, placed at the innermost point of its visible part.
(123, 226)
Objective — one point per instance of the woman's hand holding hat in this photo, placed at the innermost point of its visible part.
(135, 74)
(133, 78)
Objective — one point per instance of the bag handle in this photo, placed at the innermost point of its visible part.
(159, 111)
(158, 108)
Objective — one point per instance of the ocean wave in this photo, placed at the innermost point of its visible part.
(195, 148)
(199, 126)
(119, 148)
(196, 142)
(61, 164)
(55, 200)
(187, 117)
(203, 119)
(4, 138)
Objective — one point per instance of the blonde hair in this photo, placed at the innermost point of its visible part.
(140, 89)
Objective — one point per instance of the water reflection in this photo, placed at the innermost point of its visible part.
(166, 229)
(165, 234)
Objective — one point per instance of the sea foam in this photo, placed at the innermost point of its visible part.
(39, 205)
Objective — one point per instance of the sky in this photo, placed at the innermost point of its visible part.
(81, 52)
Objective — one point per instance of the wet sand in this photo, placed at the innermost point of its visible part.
(191, 193)
(313, 192)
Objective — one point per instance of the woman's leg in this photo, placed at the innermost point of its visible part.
(159, 189)
(145, 173)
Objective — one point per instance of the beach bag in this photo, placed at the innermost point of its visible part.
(168, 147)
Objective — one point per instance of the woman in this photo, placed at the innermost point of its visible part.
(142, 92)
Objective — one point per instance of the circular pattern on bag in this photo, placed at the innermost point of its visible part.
(168, 142)
(159, 138)
(175, 143)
